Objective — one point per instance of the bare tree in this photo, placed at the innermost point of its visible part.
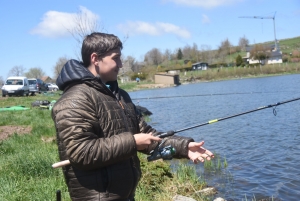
(191, 53)
(59, 65)
(16, 71)
(225, 46)
(187, 52)
(86, 23)
(243, 42)
(224, 50)
(205, 54)
(1, 81)
(195, 52)
(153, 56)
(167, 55)
(129, 64)
(35, 73)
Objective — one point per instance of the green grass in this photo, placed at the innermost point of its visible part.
(288, 45)
(225, 73)
(25, 162)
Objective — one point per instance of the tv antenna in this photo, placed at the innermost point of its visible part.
(265, 17)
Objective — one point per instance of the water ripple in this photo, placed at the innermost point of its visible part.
(262, 150)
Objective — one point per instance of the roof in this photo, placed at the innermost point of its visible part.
(44, 78)
(276, 53)
(16, 77)
(271, 46)
(199, 63)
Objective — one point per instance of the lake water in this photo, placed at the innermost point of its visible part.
(262, 150)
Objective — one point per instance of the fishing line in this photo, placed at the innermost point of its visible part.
(216, 94)
(170, 133)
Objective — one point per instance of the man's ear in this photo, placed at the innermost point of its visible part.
(94, 59)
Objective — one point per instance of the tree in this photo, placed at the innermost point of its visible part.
(296, 54)
(224, 50)
(130, 64)
(260, 52)
(1, 81)
(86, 23)
(179, 54)
(225, 46)
(187, 52)
(205, 55)
(16, 71)
(167, 55)
(35, 73)
(239, 60)
(243, 42)
(59, 65)
(153, 56)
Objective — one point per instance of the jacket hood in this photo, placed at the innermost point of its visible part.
(72, 72)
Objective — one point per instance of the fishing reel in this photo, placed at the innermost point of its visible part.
(165, 153)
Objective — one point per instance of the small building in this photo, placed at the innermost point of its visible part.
(124, 78)
(200, 66)
(165, 78)
(47, 79)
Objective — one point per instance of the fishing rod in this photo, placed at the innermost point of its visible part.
(170, 133)
(167, 152)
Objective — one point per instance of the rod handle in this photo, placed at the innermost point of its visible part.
(61, 164)
(167, 134)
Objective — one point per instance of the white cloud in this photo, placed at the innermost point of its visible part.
(205, 19)
(56, 24)
(204, 3)
(158, 28)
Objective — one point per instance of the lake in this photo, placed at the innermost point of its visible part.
(262, 150)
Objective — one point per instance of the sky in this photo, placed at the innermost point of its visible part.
(34, 33)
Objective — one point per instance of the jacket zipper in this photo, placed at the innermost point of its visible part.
(131, 159)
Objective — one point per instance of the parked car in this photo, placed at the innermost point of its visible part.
(15, 86)
(37, 86)
(52, 87)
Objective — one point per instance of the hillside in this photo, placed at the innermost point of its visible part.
(287, 45)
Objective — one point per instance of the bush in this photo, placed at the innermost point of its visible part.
(142, 76)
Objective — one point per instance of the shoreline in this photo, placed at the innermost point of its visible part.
(141, 86)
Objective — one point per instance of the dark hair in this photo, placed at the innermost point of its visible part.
(99, 43)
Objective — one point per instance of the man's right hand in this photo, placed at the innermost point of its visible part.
(143, 140)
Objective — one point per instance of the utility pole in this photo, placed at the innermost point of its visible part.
(267, 17)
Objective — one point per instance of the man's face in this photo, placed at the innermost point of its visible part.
(109, 65)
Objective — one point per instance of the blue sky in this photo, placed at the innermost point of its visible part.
(34, 33)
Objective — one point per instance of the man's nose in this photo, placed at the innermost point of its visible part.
(120, 64)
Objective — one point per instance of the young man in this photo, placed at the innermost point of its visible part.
(99, 130)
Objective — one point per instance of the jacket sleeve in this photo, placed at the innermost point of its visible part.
(180, 143)
(76, 121)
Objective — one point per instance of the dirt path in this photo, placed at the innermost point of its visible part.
(6, 131)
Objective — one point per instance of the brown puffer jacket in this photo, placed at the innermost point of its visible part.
(95, 127)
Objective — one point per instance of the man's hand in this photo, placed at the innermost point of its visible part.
(197, 153)
(143, 140)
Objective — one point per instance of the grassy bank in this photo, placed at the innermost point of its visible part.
(29, 152)
(240, 72)
(217, 74)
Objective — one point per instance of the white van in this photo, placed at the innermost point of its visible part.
(15, 86)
